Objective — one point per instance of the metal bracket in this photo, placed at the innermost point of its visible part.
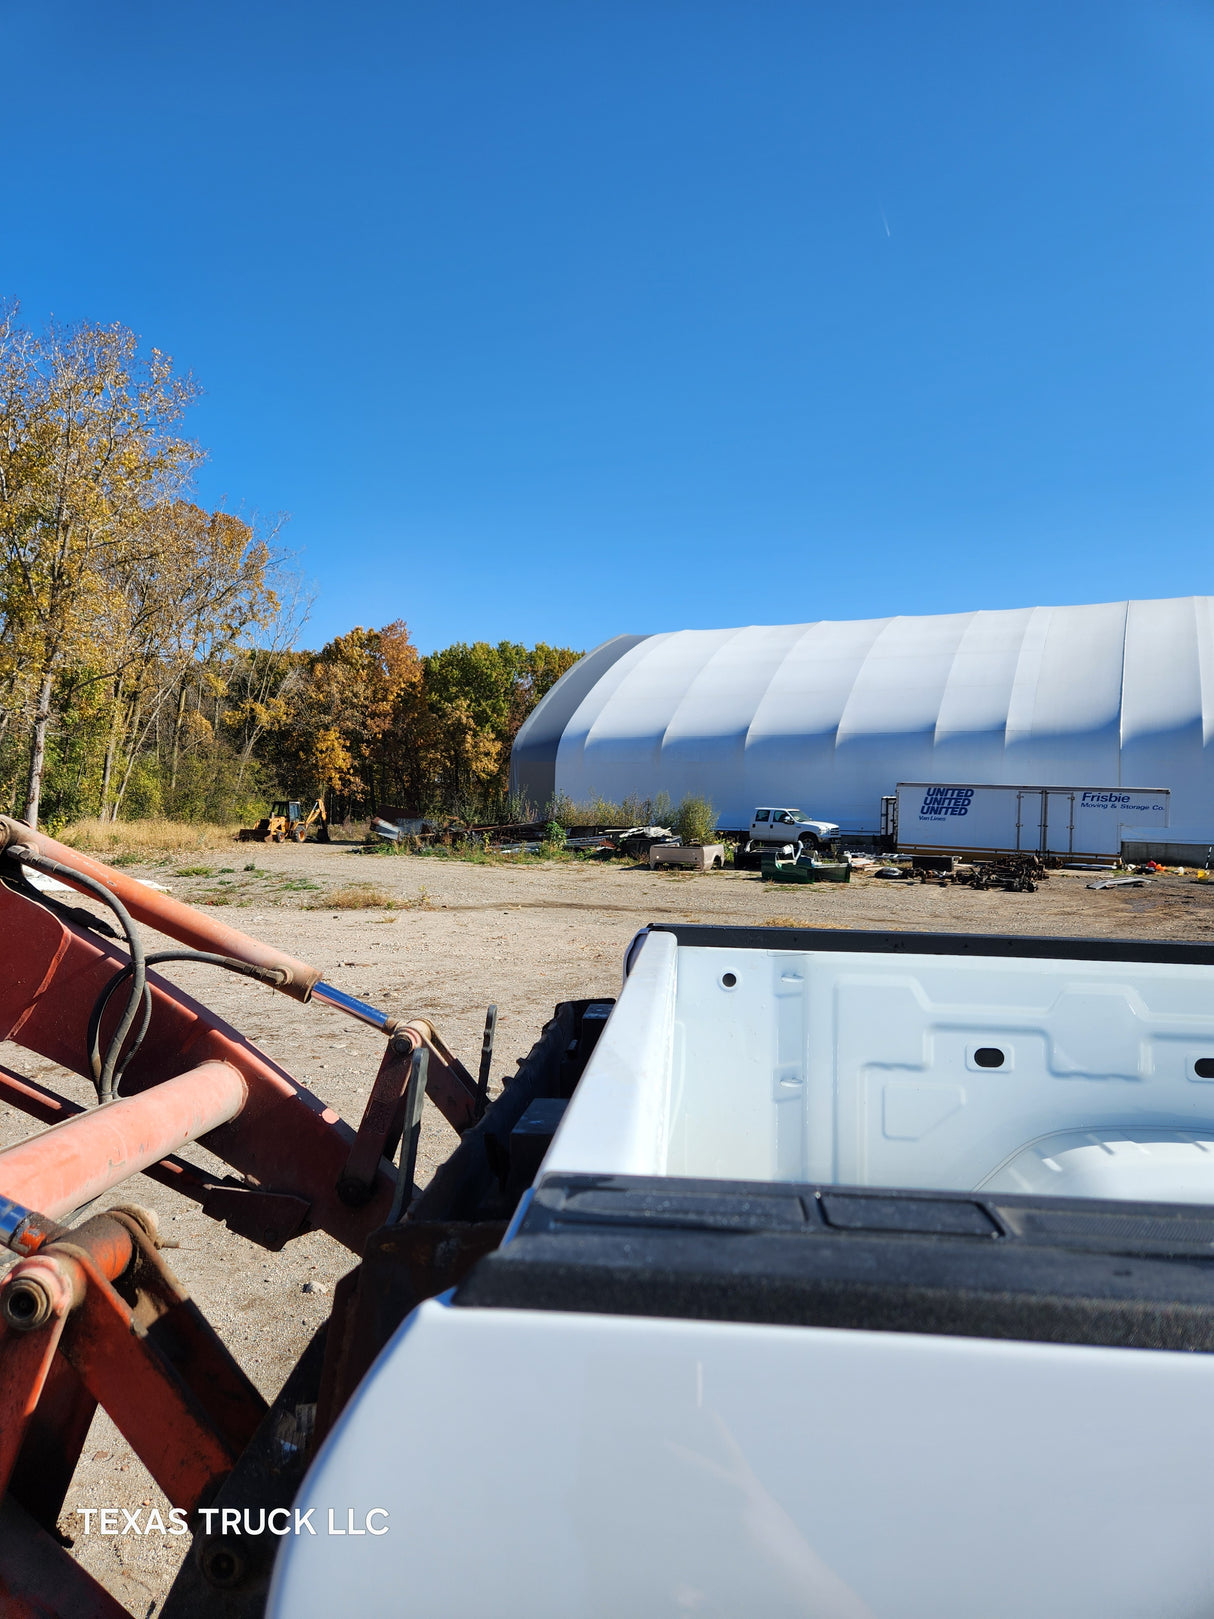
(378, 1129)
(482, 1078)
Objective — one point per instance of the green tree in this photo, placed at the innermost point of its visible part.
(477, 696)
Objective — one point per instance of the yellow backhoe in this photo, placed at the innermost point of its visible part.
(287, 820)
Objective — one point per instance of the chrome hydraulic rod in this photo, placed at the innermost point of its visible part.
(327, 995)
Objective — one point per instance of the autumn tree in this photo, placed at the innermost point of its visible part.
(148, 654)
(373, 724)
(263, 679)
(87, 451)
(477, 696)
(342, 711)
(207, 586)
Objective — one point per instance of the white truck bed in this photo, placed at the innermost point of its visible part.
(814, 1311)
(739, 1063)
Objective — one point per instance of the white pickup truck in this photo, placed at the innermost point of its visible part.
(778, 827)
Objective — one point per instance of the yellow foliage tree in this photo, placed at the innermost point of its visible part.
(86, 452)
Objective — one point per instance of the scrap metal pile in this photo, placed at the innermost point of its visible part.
(1012, 874)
(519, 837)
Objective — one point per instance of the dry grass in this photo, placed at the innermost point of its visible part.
(354, 897)
(145, 840)
(368, 897)
(794, 922)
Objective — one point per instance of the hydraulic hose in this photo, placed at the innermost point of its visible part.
(111, 1066)
(103, 1073)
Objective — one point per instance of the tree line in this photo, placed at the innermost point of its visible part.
(148, 656)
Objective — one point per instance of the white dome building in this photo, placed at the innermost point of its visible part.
(831, 716)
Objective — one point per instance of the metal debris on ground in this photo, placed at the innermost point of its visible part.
(804, 869)
(1014, 875)
(638, 840)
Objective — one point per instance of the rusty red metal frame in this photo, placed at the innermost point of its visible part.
(70, 1341)
(93, 1316)
(286, 1142)
(269, 1219)
(38, 1579)
(157, 910)
(72, 1163)
(449, 1085)
(379, 1129)
(285, 1139)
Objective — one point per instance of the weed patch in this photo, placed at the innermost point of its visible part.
(355, 897)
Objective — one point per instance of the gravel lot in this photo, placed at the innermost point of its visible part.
(524, 936)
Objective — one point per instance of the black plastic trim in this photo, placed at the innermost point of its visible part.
(1031, 946)
(1050, 1270)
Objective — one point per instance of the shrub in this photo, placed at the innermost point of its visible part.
(554, 837)
(695, 820)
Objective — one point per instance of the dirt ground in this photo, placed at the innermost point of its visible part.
(523, 936)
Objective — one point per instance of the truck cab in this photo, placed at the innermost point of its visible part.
(782, 826)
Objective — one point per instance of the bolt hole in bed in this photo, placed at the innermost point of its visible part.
(881, 1067)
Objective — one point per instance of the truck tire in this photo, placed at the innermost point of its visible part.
(299, 834)
(808, 843)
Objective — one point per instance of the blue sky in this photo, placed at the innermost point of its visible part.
(830, 309)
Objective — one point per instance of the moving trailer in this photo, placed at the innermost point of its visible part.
(934, 818)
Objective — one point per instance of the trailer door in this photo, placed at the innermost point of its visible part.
(1030, 819)
(1058, 833)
